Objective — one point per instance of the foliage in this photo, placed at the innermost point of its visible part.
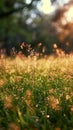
(8, 7)
(13, 17)
(21, 21)
(64, 26)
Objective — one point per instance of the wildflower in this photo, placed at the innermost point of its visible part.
(36, 105)
(71, 108)
(55, 46)
(43, 49)
(39, 44)
(8, 102)
(47, 116)
(37, 119)
(54, 102)
(67, 97)
(28, 97)
(43, 112)
(28, 93)
(1, 83)
(64, 115)
(13, 126)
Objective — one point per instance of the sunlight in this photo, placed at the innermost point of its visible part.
(46, 7)
(69, 14)
(28, 1)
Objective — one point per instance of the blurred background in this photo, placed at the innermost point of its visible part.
(39, 26)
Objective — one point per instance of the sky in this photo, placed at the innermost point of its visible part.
(46, 7)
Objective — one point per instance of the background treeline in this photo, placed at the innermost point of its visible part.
(21, 21)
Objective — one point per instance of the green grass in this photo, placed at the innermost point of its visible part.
(37, 94)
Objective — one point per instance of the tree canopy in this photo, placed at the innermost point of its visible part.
(8, 7)
(14, 16)
(21, 21)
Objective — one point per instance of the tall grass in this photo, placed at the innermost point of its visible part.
(36, 94)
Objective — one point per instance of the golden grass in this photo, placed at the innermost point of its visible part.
(61, 64)
(49, 67)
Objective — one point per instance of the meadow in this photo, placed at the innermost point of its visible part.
(36, 93)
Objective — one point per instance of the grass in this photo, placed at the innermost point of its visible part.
(36, 94)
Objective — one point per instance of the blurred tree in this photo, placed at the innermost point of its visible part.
(63, 20)
(8, 7)
(52, 1)
(14, 16)
(44, 33)
(21, 21)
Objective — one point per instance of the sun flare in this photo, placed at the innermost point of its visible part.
(46, 7)
(69, 14)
